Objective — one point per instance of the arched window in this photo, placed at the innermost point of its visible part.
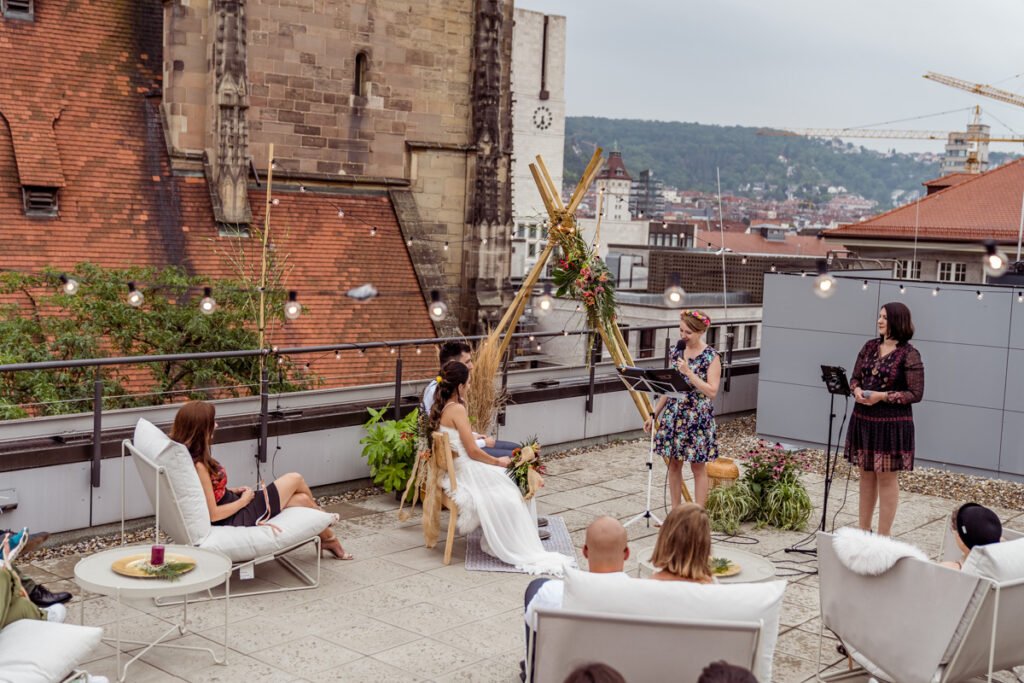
(361, 85)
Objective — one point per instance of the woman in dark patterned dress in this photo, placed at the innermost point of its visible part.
(887, 379)
(686, 426)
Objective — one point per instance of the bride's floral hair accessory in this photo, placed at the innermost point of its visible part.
(439, 379)
(698, 321)
(699, 315)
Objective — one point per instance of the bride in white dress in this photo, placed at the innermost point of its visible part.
(487, 497)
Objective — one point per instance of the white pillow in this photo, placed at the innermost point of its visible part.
(42, 652)
(181, 472)
(245, 543)
(683, 600)
(1001, 562)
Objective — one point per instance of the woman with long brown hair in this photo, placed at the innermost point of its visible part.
(193, 427)
(887, 379)
(683, 549)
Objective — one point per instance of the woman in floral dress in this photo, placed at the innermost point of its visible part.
(685, 427)
(887, 379)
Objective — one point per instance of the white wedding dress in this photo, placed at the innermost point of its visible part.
(488, 498)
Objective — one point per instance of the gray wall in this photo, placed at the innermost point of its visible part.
(973, 352)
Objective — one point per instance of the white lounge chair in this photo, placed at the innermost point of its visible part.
(920, 622)
(170, 479)
(639, 648)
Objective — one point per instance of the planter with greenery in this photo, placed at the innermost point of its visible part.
(389, 448)
(769, 493)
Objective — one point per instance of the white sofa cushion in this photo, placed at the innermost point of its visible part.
(245, 543)
(1001, 562)
(181, 472)
(683, 600)
(43, 652)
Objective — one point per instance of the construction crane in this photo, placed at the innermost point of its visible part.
(885, 134)
(977, 88)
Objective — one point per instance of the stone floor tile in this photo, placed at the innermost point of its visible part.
(500, 634)
(258, 633)
(61, 567)
(789, 669)
(185, 663)
(373, 571)
(427, 658)
(625, 507)
(465, 580)
(377, 545)
(424, 618)
(138, 672)
(363, 634)
(420, 558)
(558, 484)
(500, 669)
(241, 668)
(369, 669)
(348, 510)
(418, 586)
(372, 602)
(478, 603)
(382, 502)
(577, 498)
(306, 656)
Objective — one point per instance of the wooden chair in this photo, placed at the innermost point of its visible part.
(444, 462)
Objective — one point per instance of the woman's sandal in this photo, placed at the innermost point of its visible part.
(334, 547)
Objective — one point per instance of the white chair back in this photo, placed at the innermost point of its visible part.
(641, 649)
(169, 517)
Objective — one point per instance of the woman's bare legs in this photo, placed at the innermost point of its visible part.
(700, 482)
(868, 497)
(294, 492)
(888, 500)
(675, 482)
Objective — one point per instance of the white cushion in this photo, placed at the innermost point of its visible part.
(181, 472)
(43, 652)
(245, 543)
(683, 600)
(1001, 562)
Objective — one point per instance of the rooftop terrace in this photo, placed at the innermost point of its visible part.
(398, 614)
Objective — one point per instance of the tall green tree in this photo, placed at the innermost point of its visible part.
(40, 322)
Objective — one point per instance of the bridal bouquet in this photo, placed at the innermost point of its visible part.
(526, 468)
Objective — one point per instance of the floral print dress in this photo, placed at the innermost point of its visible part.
(686, 428)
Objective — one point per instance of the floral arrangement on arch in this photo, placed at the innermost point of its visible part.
(583, 276)
(526, 469)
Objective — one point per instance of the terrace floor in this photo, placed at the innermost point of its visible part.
(398, 614)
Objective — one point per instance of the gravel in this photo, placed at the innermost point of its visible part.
(736, 437)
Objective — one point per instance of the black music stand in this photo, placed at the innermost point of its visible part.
(666, 381)
(836, 384)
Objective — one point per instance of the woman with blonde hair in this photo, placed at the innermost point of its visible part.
(685, 427)
(683, 549)
(193, 428)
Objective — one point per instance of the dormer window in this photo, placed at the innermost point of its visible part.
(40, 202)
(18, 9)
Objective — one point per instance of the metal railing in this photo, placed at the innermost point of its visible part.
(394, 346)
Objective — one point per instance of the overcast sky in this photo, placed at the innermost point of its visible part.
(804, 63)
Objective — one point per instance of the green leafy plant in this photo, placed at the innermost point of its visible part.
(389, 448)
(171, 571)
(729, 506)
(786, 505)
(581, 275)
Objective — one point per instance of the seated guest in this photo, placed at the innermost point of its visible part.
(606, 548)
(723, 672)
(14, 599)
(594, 673)
(28, 543)
(974, 525)
(193, 427)
(683, 549)
(461, 352)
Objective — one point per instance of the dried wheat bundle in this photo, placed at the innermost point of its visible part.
(485, 398)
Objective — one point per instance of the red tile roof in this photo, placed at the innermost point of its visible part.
(947, 180)
(984, 206)
(614, 164)
(120, 205)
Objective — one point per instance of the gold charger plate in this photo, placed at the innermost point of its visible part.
(732, 570)
(131, 565)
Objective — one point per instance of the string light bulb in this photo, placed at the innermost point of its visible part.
(538, 346)
(1020, 298)
(418, 351)
(408, 243)
(864, 286)
(373, 231)
(207, 304)
(743, 261)
(935, 292)
(292, 307)
(438, 308)
(674, 294)
(995, 262)
(68, 284)
(772, 268)
(545, 302)
(531, 337)
(135, 297)
(275, 201)
(980, 294)
(824, 284)
(341, 213)
(903, 290)
(446, 246)
(337, 355)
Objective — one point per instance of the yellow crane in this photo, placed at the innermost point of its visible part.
(977, 88)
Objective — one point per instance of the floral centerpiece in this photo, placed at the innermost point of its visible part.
(526, 469)
(583, 276)
(770, 492)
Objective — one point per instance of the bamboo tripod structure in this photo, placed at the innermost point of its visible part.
(562, 219)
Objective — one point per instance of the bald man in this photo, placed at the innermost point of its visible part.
(606, 548)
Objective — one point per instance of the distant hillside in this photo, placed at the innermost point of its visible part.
(685, 155)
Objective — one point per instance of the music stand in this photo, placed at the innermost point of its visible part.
(666, 381)
(836, 384)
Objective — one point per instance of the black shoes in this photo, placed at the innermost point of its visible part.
(42, 597)
(542, 521)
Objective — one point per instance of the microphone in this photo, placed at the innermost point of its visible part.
(680, 345)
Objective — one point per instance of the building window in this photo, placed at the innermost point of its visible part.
(40, 201)
(360, 85)
(712, 337)
(651, 239)
(646, 344)
(532, 250)
(675, 240)
(906, 269)
(18, 9)
(950, 271)
(732, 334)
(750, 337)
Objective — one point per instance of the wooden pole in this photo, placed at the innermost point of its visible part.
(261, 340)
(554, 191)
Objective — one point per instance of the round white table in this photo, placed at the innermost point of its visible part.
(753, 568)
(94, 573)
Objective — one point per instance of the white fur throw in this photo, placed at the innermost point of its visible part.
(865, 553)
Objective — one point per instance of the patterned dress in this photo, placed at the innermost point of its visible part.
(880, 438)
(686, 428)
